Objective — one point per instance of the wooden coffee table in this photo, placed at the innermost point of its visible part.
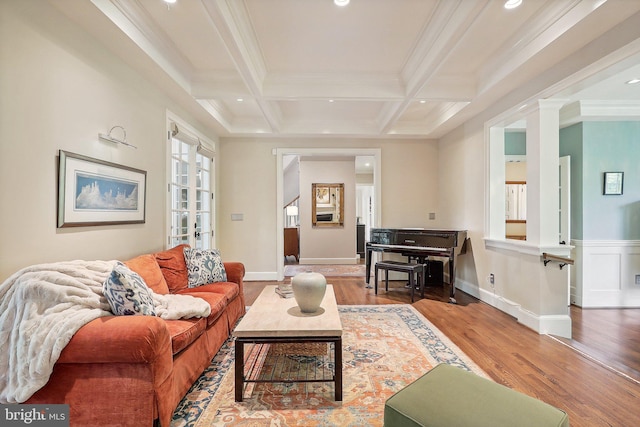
(274, 320)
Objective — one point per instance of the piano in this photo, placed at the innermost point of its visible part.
(419, 244)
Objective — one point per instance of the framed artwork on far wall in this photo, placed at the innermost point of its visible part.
(327, 208)
(613, 183)
(96, 192)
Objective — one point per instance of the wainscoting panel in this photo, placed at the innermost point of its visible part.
(605, 273)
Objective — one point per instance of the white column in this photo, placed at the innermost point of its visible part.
(543, 141)
(496, 185)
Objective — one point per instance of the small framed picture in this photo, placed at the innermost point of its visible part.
(613, 183)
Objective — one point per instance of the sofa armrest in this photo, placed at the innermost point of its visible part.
(120, 339)
(235, 273)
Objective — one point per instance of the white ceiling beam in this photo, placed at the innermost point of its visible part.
(458, 87)
(553, 20)
(218, 112)
(132, 21)
(219, 85)
(443, 32)
(325, 86)
(234, 27)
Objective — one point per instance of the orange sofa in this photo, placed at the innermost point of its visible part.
(134, 370)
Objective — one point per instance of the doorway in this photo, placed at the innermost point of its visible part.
(373, 153)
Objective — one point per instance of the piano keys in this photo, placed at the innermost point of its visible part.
(419, 244)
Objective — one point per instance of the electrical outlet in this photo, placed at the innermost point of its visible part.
(637, 279)
(492, 279)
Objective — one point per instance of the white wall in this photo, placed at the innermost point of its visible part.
(59, 88)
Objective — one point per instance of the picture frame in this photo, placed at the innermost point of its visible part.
(95, 192)
(612, 183)
(327, 209)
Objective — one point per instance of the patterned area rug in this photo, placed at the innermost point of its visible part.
(353, 270)
(385, 347)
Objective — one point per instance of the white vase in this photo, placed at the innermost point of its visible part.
(308, 290)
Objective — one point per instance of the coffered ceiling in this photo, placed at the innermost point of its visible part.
(373, 68)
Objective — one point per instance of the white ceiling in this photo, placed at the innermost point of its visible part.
(375, 68)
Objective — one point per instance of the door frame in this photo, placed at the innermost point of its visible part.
(192, 134)
(346, 152)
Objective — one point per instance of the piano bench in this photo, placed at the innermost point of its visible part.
(416, 274)
(450, 396)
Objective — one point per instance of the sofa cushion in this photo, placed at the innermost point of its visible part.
(127, 293)
(173, 267)
(217, 301)
(184, 331)
(204, 266)
(147, 267)
(230, 290)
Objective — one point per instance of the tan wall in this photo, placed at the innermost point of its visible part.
(247, 181)
(325, 245)
(59, 90)
(523, 286)
(515, 171)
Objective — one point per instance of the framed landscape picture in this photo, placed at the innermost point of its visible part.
(96, 192)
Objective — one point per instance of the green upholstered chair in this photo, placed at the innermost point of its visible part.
(448, 396)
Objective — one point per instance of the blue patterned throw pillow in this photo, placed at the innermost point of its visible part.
(204, 266)
(127, 293)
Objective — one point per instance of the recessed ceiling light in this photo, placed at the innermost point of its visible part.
(239, 99)
(331, 100)
(170, 1)
(422, 101)
(633, 81)
(341, 2)
(512, 4)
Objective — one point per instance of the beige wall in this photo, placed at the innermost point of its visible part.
(515, 171)
(59, 89)
(326, 245)
(523, 287)
(247, 181)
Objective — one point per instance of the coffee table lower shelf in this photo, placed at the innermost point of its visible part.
(241, 377)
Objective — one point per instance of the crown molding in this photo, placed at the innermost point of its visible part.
(555, 19)
(593, 110)
(132, 20)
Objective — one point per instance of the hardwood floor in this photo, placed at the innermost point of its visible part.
(513, 355)
(611, 336)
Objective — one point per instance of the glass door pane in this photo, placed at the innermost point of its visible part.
(203, 202)
(190, 188)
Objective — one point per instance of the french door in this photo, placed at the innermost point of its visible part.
(190, 195)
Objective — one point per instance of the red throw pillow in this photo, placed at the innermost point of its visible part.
(174, 268)
(147, 267)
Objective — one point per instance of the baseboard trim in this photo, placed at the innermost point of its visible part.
(559, 325)
(343, 261)
(259, 276)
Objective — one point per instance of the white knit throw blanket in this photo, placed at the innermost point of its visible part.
(43, 306)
